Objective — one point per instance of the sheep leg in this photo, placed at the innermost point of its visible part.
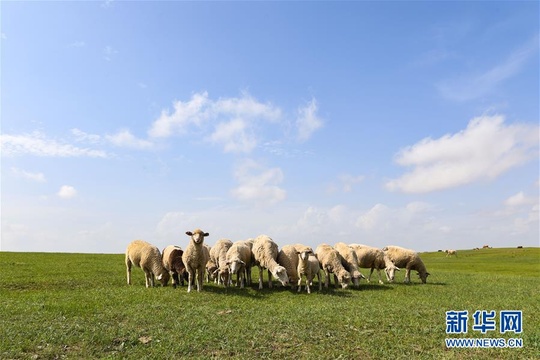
(248, 275)
(379, 273)
(319, 279)
(200, 275)
(260, 278)
(269, 279)
(326, 278)
(407, 275)
(190, 280)
(300, 283)
(128, 269)
(335, 281)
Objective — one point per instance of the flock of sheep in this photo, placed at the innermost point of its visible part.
(289, 266)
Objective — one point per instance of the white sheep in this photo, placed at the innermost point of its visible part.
(148, 258)
(450, 253)
(288, 258)
(306, 267)
(218, 255)
(211, 267)
(195, 258)
(172, 261)
(265, 252)
(375, 259)
(349, 262)
(239, 261)
(331, 263)
(408, 259)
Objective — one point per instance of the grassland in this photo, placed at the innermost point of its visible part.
(78, 306)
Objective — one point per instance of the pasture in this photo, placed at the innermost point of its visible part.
(75, 306)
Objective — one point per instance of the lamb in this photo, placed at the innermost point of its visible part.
(374, 258)
(265, 252)
(218, 255)
(288, 258)
(408, 259)
(331, 263)
(211, 267)
(349, 262)
(307, 267)
(195, 258)
(238, 259)
(450, 252)
(172, 261)
(148, 258)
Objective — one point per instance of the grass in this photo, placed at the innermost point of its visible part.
(78, 306)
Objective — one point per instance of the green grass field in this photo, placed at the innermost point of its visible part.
(78, 306)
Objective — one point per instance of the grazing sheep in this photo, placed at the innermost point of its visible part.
(331, 263)
(265, 251)
(148, 258)
(486, 247)
(408, 259)
(238, 259)
(307, 267)
(288, 258)
(218, 255)
(450, 252)
(375, 259)
(172, 261)
(349, 262)
(195, 258)
(520, 247)
(211, 267)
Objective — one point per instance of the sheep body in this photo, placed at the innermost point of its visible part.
(408, 259)
(218, 255)
(265, 252)
(450, 252)
(238, 259)
(146, 256)
(195, 258)
(288, 258)
(172, 262)
(331, 263)
(375, 259)
(349, 261)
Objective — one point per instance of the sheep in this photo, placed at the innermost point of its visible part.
(408, 259)
(211, 267)
(238, 259)
(265, 252)
(349, 262)
(373, 258)
(450, 252)
(218, 254)
(249, 243)
(172, 261)
(288, 258)
(486, 247)
(307, 267)
(331, 263)
(195, 258)
(148, 258)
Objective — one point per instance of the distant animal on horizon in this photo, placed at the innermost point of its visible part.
(450, 253)
(520, 247)
(486, 247)
(195, 258)
(146, 256)
(408, 259)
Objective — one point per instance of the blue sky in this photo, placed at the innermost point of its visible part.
(404, 123)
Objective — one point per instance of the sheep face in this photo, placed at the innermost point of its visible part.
(280, 273)
(197, 236)
(390, 271)
(235, 266)
(164, 278)
(423, 276)
(304, 255)
(344, 278)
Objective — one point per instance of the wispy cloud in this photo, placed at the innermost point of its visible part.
(109, 53)
(519, 199)
(67, 192)
(124, 138)
(38, 144)
(475, 85)
(308, 120)
(258, 184)
(27, 175)
(484, 150)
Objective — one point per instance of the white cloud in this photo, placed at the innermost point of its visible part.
(472, 86)
(235, 136)
(258, 184)
(37, 177)
(39, 144)
(3, 36)
(519, 199)
(484, 150)
(67, 192)
(82, 136)
(124, 138)
(348, 181)
(308, 121)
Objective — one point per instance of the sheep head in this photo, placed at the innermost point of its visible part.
(304, 254)
(235, 265)
(344, 278)
(423, 276)
(280, 273)
(197, 236)
(164, 278)
(390, 271)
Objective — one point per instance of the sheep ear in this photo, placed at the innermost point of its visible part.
(298, 253)
(427, 274)
(243, 263)
(160, 276)
(189, 233)
(228, 263)
(206, 234)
